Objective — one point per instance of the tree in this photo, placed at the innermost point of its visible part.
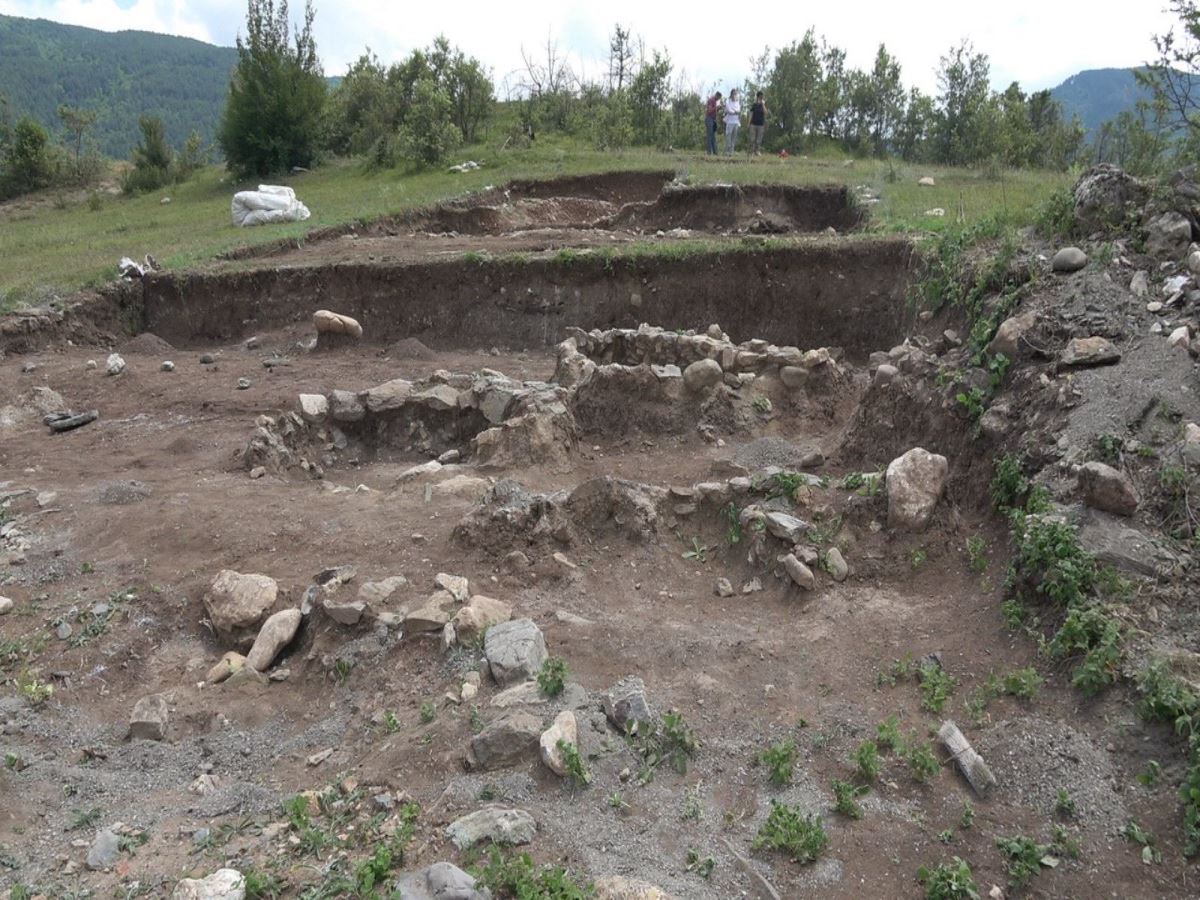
(649, 92)
(914, 133)
(884, 102)
(620, 59)
(1174, 77)
(794, 81)
(963, 115)
(276, 94)
(428, 135)
(152, 158)
(29, 163)
(77, 121)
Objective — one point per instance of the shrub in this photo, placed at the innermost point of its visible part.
(780, 760)
(552, 676)
(29, 162)
(428, 136)
(802, 837)
(866, 758)
(1024, 857)
(952, 881)
(152, 158)
(1008, 483)
(517, 878)
(845, 797)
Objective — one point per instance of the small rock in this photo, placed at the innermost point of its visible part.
(1139, 285)
(207, 359)
(1010, 333)
(314, 407)
(786, 528)
(885, 374)
(515, 651)
(799, 572)
(276, 633)
(317, 758)
(565, 729)
(344, 612)
(500, 826)
(243, 384)
(836, 564)
(223, 884)
(104, 850)
(926, 181)
(702, 374)
(793, 377)
(91, 364)
(376, 592)
(723, 588)
(6, 606)
(562, 560)
(257, 472)
(1069, 259)
(506, 742)
(441, 881)
(237, 604)
(167, 366)
(115, 365)
(1108, 489)
(625, 703)
(477, 616)
(149, 719)
(455, 585)
(1168, 235)
(1180, 337)
(434, 615)
(230, 663)
(915, 482)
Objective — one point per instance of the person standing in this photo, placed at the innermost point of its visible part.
(733, 120)
(758, 123)
(711, 109)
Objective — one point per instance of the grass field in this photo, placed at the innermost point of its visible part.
(53, 245)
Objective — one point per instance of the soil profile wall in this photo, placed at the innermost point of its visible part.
(847, 293)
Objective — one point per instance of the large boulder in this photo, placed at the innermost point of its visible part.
(1010, 334)
(149, 719)
(515, 650)
(506, 742)
(1106, 197)
(237, 605)
(277, 632)
(441, 881)
(1069, 259)
(480, 614)
(702, 374)
(915, 482)
(494, 824)
(327, 322)
(625, 703)
(1089, 351)
(1169, 235)
(223, 884)
(1106, 488)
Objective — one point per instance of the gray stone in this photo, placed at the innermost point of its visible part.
(387, 396)
(457, 586)
(375, 592)
(344, 612)
(1139, 285)
(494, 824)
(346, 407)
(314, 407)
(625, 703)
(793, 377)
(836, 564)
(1105, 196)
(243, 384)
(6, 606)
(478, 615)
(1168, 235)
(515, 650)
(885, 374)
(439, 396)
(434, 615)
(799, 572)
(167, 366)
(785, 527)
(276, 633)
(1089, 351)
(441, 881)
(1114, 543)
(702, 375)
(149, 719)
(115, 364)
(1108, 489)
(506, 742)
(223, 884)
(915, 482)
(104, 850)
(724, 588)
(1007, 339)
(1069, 259)
(237, 604)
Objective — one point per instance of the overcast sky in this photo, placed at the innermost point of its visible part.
(1035, 42)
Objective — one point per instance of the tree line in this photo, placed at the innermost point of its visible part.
(281, 113)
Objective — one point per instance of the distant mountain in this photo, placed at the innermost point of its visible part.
(1098, 95)
(122, 75)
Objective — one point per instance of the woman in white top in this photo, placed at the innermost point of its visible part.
(733, 121)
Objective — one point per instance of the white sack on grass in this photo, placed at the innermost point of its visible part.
(271, 203)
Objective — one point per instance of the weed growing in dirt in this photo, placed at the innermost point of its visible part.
(1024, 856)
(936, 686)
(428, 712)
(733, 523)
(1093, 634)
(262, 885)
(617, 801)
(390, 723)
(967, 819)
(1055, 218)
(780, 760)
(1151, 776)
(577, 771)
(1008, 484)
(1136, 834)
(866, 758)
(672, 742)
(1023, 684)
(552, 676)
(846, 796)
(825, 531)
(693, 806)
(516, 877)
(974, 402)
(476, 720)
(887, 734)
(917, 557)
(977, 554)
(35, 691)
(922, 761)
(701, 865)
(84, 818)
(949, 881)
(802, 837)
(1064, 805)
(699, 551)
(762, 405)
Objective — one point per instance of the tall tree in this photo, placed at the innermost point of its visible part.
(621, 58)
(963, 101)
(276, 94)
(1174, 76)
(77, 121)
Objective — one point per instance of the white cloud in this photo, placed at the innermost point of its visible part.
(1036, 42)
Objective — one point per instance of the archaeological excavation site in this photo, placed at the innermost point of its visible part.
(614, 535)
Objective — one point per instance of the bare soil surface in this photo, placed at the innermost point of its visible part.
(111, 534)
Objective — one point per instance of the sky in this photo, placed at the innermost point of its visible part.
(1036, 42)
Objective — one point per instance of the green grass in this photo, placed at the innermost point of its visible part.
(53, 246)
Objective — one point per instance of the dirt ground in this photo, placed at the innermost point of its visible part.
(135, 514)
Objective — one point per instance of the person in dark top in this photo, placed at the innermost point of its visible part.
(711, 110)
(758, 123)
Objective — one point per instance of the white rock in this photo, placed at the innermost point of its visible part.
(1180, 337)
(223, 884)
(702, 374)
(926, 181)
(115, 365)
(563, 729)
(314, 407)
(275, 634)
(327, 322)
(455, 585)
(6, 605)
(915, 482)
(237, 604)
(799, 572)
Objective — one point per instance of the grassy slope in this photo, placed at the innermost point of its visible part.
(49, 248)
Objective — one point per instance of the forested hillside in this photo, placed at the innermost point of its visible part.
(1100, 95)
(121, 75)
